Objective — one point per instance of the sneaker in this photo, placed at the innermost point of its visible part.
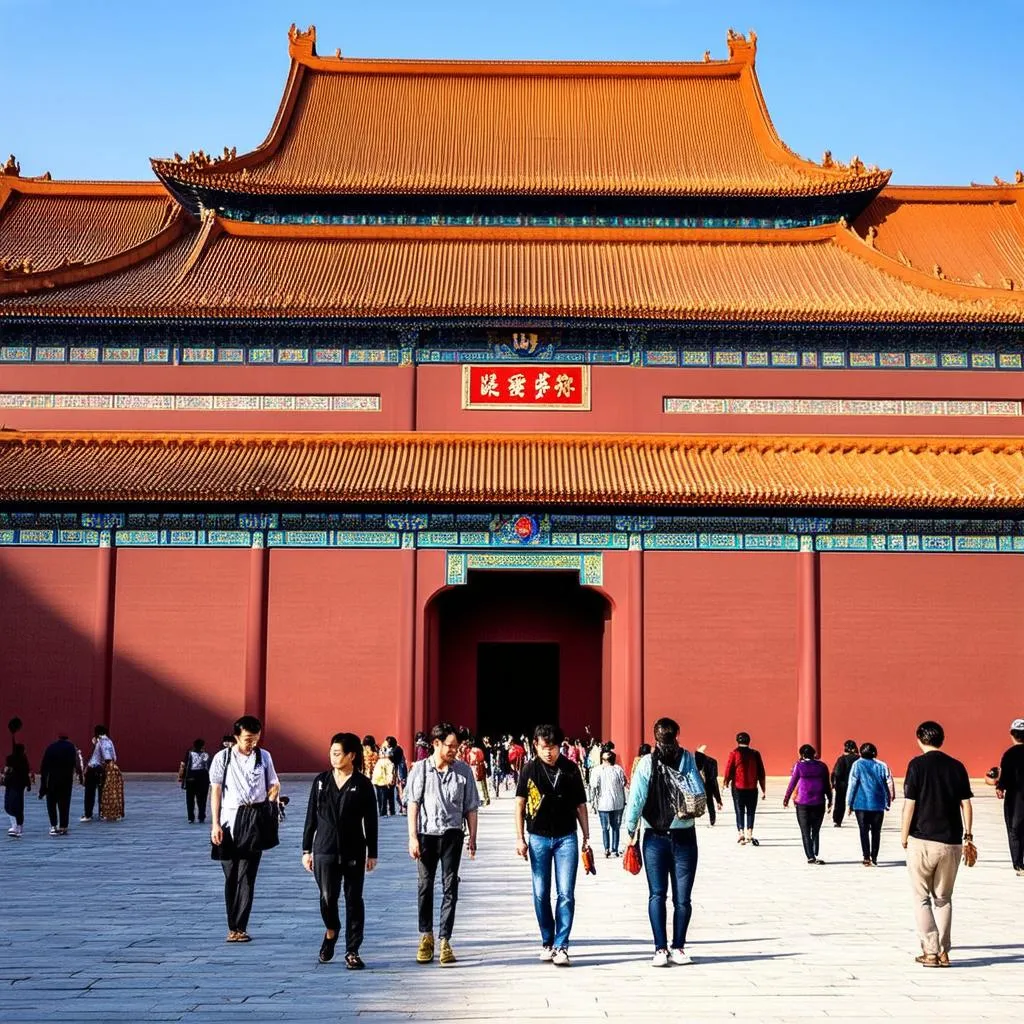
(660, 958)
(12, 831)
(680, 958)
(561, 958)
(354, 962)
(447, 956)
(17, 832)
(327, 949)
(425, 953)
(818, 860)
(546, 954)
(62, 831)
(54, 832)
(85, 817)
(607, 854)
(811, 860)
(866, 862)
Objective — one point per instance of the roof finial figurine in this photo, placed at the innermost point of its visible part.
(870, 237)
(999, 181)
(857, 165)
(337, 53)
(12, 167)
(1018, 177)
(707, 56)
(937, 271)
(1008, 284)
(826, 159)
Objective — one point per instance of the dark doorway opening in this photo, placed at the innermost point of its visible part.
(516, 687)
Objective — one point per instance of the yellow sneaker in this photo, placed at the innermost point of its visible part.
(425, 953)
(447, 957)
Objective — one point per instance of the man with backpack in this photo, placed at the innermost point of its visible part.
(242, 783)
(668, 792)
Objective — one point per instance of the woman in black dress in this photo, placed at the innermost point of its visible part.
(339, 844)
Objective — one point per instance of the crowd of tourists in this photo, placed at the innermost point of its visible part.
(556, 782)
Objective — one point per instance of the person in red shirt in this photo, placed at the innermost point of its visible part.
(477, 760)
(744, 771)
(516, 756)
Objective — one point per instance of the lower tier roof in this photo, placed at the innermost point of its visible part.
(658, 470)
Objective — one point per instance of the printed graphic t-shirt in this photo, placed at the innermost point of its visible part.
(559, 790)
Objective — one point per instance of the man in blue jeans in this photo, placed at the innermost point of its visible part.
(669, 846)
(550, 802)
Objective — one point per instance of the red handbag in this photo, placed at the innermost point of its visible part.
(631, 859)
(587, 858)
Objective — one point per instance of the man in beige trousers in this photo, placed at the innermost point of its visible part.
(937, 820)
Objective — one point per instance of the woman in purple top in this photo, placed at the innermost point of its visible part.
(813, 787)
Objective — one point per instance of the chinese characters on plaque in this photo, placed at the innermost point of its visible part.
(526, 387)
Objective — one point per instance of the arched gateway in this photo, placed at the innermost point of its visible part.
(517, 648)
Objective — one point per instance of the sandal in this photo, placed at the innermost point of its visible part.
(353, 962)
(742, 840)
(243, 937)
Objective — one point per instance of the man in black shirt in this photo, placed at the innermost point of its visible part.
(937, 819)
(841, 780)
(550, 801)
(56, 777)
(1010, 789)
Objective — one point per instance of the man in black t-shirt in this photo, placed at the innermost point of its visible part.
(937, 819)
(1010, 789)
(550, 801)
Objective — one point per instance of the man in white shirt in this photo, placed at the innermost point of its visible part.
(103, 752)
(239, 775)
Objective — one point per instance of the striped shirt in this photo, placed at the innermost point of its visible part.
(444, 798)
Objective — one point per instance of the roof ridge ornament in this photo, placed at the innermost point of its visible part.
(742, 48)
(302, 43)
(11, 168)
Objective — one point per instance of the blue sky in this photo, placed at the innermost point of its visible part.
(932, 90)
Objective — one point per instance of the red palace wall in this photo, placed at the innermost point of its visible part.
(336, 661)
(179, 648)
(49, 670)
(720, 649)
(907, 637)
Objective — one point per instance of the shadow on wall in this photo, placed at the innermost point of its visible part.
(53, 678)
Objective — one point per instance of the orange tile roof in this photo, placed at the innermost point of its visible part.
(355, 127)
(974, 235)
(235, 269)
(459, 469)
(50, 223)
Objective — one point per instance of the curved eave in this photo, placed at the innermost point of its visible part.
(656, 471)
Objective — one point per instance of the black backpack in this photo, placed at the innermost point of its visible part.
(670, 796)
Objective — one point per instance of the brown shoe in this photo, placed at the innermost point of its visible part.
(927, 960)
(943, 959)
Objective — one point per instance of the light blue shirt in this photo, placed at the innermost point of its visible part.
(444, 798)
(870, 786)
(641, 781)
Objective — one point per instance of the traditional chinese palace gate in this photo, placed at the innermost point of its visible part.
(507, 390)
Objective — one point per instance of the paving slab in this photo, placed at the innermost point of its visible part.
(125, 922)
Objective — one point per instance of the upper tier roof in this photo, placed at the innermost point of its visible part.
(974, 235)
(459, 469)
(47, 224)
(495, 128)
(230, 269)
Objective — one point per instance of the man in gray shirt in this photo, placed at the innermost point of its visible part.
(442, 797)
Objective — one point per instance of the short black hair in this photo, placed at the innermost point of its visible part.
(248, 723)
(369, 741)
(550, 734)
(931, 734)
(227, 738)
(645, 748)
(666, 730)
(743, 738)
(610, 754)
(808, 752)
(198, 745)
(99, 730)
(850, 747)
(1018, 735)
(868, 750)
(442, 731)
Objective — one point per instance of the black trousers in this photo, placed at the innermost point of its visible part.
(58, 805)
(385, 800)
(870, 824)
(712, 811)
(197, 788)
(839, 804)
(445, 850)
(331, 875)
(745, 803)
(93, 788)
(239, 885)
(1013, 815)
(810, 817)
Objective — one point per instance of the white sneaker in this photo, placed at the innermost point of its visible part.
(680, 958)
(660, 958)
(53, 830)
(547, 954)
(85, 818)
(12, 831)
(561, 958)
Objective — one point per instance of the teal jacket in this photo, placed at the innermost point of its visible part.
(641, 782)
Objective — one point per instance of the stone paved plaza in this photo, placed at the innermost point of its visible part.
(125, 922)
